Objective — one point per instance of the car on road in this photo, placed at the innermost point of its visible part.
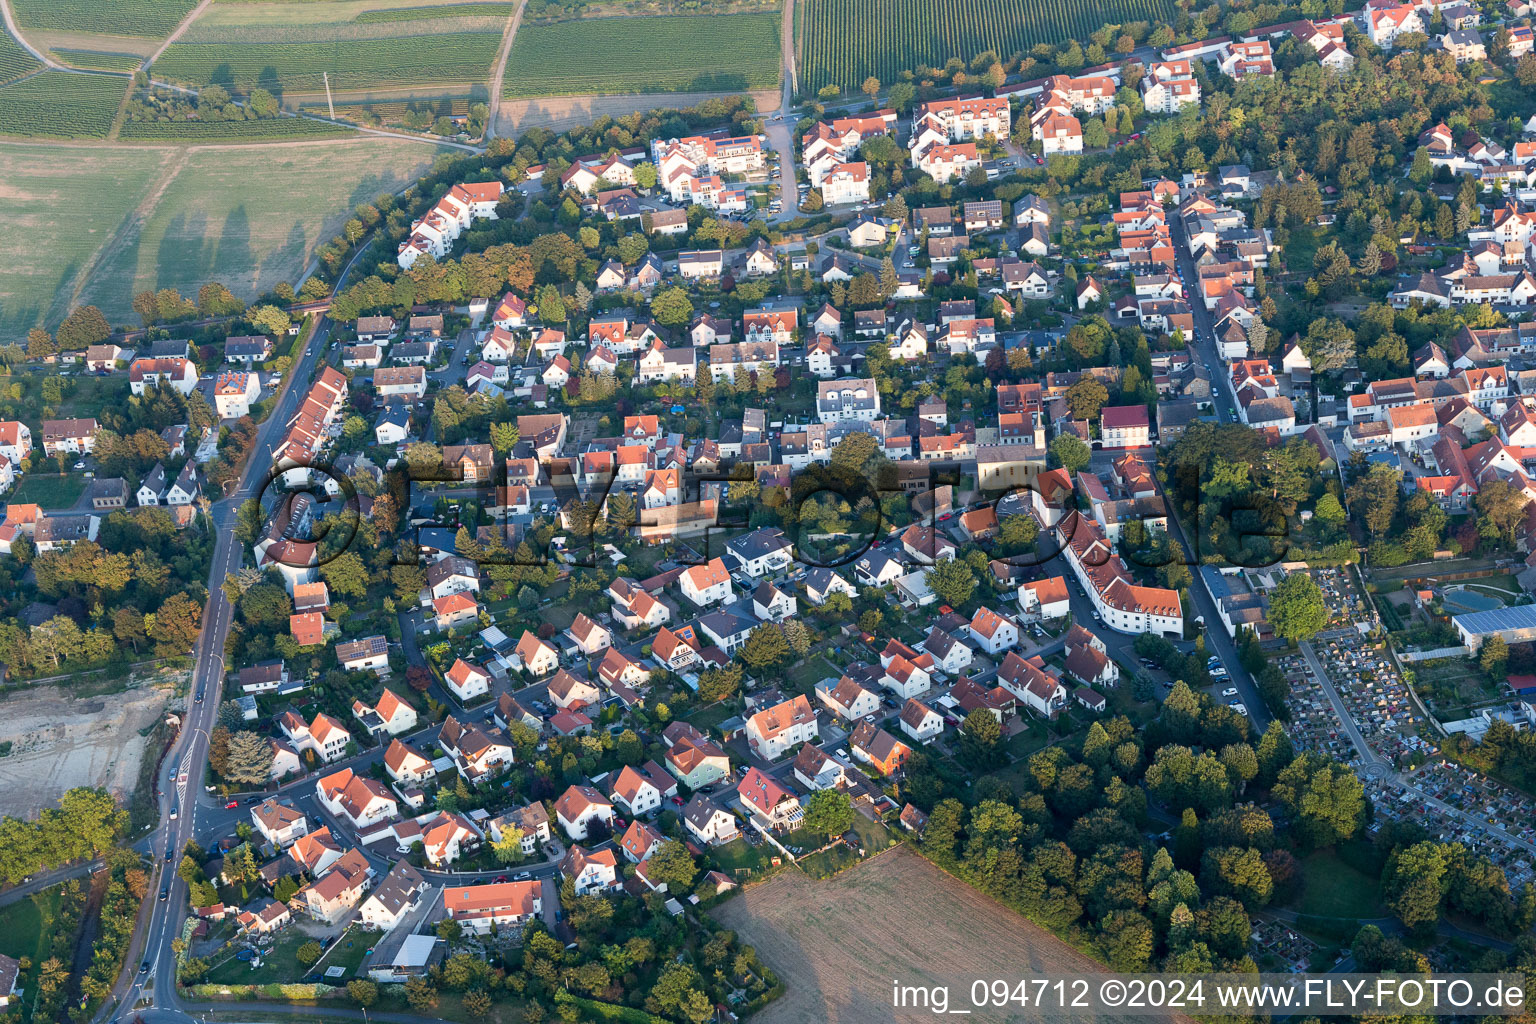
(1241, 709)
(500, 879)
(1040, 161)
(144, 967)
(232, 805)
(1230, 691)
(183, 776)
(169, 853)
(842, 752)
(165, 894)
(199, 696)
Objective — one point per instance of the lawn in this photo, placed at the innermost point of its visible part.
(1336, 889)
(710, 716)
(27, 932)
(90, 394)
(21, 924)
(49, 491)
(645, 53)
(166, 217)
(348, 953)
(740, 859)
(808, 674)
(278, 964)
(873, 837)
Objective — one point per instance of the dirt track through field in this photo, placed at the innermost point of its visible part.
(839, 944)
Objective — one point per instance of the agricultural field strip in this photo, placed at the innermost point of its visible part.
(97, 60)
(15, 61)
(61, 105)
(351, 63)
(496, 8)
(147, 18)
(645, 53)
(336, 31)
(230, 131)
(842, 42)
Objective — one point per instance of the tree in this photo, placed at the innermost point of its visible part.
(363, 991)
(420, 995)
(1501, 510)
(509, 848)
(40, 344)
(952, 580)
(270, 320)
(1297, 610)
(1070, 453)
(765, 647)
(871, 87)
(84, 327)
(1325, 799)
(1329, 511)
(1414, 883)
(1374, 498)
(829, 813)
(671, 307)
(1525, 70)
(980, 736)
(177, 624)
(1086, 398)
(308, 954)
(249, 760)
(1494, 656)
(346, 574)
(673, 864)
(477, 1003)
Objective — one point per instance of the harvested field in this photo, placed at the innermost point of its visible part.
(558, 113)
(837, 944)
(60, 741)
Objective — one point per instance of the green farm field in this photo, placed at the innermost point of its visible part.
(152, 18)
(843, 42)
(96, 60)
(171, 216)
(267, 130)
(15, 61)
(351, 63)
(493, 8)
(61, 105)
(716, 53)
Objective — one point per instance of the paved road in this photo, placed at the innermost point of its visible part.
(1204, 346)
(183, 806)
(47, 880)
(780, 128)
